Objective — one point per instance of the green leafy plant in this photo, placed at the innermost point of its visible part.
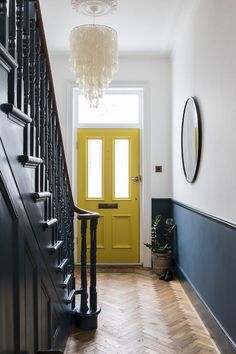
(161, 235)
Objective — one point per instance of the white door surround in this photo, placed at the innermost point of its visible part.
(145, 163)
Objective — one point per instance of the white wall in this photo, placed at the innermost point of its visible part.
(155, 72)
(204, 66)
(61, 79)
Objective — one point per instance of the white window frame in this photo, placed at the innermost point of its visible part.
(111, 91)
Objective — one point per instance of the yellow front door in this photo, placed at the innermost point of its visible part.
(108, 183)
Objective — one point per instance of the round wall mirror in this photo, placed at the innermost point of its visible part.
(191, 139)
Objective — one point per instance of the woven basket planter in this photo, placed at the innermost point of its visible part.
(161, 261)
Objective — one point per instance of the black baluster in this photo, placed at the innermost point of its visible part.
(54, 172)
(19, 40)
(26, 51)
(50, 162)
(84, 293)
(59, 194)
(37, 107)
(47, 201)
(54, 145)
(67, 230)
(46, 136)
(42, 119)
(42, 104)
(71, 216)
(63, 209)
(60, 256)
(37, 91)
(12, 50)
(71, 243)
(56, 198)
(32, 74)
(3, 23)
(47, 117)
(68, 220)
(72, 250)
(12, 28)
(93, 249)
(50, 143)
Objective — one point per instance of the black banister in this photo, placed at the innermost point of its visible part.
(32, 102)
(51, 87)
(85, 317)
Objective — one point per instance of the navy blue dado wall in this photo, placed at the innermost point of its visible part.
(205, 253)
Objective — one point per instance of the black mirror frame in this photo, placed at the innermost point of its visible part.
(193, 99)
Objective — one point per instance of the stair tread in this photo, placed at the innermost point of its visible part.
(30, 161)
(56, 246)
(62, 265)
(41, 195)
(50, 223)
(6, 59)
(70, 298)
(20, 117)
(66, 281)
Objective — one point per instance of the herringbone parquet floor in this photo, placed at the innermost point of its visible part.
(141, 314)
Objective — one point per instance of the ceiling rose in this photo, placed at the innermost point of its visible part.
(94, 7)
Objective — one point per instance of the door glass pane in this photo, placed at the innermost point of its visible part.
(122, 168)
(94, 168)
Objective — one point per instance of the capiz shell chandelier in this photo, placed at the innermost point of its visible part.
(94, 53)
(94, 59)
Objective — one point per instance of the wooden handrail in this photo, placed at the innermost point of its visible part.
(85, 214)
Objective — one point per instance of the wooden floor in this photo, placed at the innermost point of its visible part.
(142, 314)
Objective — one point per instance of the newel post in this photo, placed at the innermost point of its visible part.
(86, 316)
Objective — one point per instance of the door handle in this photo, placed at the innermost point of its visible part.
(136, 178)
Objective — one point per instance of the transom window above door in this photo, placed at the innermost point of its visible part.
(118, 107)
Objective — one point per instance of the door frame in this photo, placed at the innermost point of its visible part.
(145, 159)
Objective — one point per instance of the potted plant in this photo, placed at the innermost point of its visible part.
(161, 245)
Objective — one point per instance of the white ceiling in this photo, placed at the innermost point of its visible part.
(142, 25)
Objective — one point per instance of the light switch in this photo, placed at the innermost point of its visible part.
(158, 168)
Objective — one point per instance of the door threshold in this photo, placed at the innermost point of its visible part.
(110, 265)
(119, 268)
(119, 264)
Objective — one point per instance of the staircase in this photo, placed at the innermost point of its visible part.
(37, 284)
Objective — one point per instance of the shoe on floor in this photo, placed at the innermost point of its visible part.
(169, 275)
(163, 274)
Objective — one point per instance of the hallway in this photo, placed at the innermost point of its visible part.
(141, 314)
